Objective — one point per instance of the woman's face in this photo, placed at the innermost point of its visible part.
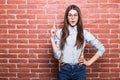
(73, 17)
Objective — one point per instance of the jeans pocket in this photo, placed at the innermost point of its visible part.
(82, 67)
(65, 67)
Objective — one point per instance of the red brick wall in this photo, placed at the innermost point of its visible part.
(25, 47)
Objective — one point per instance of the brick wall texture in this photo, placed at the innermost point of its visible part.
(25, 47)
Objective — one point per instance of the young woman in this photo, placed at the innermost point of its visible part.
(70, 41)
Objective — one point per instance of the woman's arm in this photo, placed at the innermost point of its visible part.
(53, 45)
(89, 62)
(97, 44)
(55, 41)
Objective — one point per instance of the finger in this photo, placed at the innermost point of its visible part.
(81, 63)
(81, 59)
(54, 25)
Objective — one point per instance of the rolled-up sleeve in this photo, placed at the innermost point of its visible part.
(57, 42)
(94, 42)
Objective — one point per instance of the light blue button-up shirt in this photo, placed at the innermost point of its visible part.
(70, 53)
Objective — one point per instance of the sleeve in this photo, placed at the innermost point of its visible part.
(57, 42)
(94, 42)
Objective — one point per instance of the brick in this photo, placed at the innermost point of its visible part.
(27, 46)
(100, 70)
(109, 16)
(3, 41)
(4, 66)
(44, 76)
(17, 22)
(37, 31)
(19, 79)
(8, 6)
(28, 75)
(7, 36)
(38, 22)
(2, 1)
(38, 51)
(39, 61)
(8, 46)
(97, 1)
(44, 36)
(18, 51)
(15, 11)
(98, 10)
(3, 60)
(38, 41)
(26, 26)
(44, 26)
(2, 22)
(3, 70)
(92, 75)
(109, 75)
(6, 26)
(115, 60)
(27, 36)
(115, 21)
(40, 70)
(16, 2)
(114, 10)
(56, 2)
(17, 61)
(35, 11)
(114, 1)
(17, 31)
(25, 16)
(3, 31)
(27, 56)
(7, 75)
(24, 65)
(108, 26)
(45, 17)
(7, 17)
(108, 36)
(108, 5)
(8, 56)
(108, 65)
(2, 12)
(18, 41)
(27, 6)
(51, 11)
(36, 2)
(3, 50)
(19, 70)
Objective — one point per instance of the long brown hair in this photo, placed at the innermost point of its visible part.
(65, 31)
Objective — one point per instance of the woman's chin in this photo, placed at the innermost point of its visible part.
(73, 25)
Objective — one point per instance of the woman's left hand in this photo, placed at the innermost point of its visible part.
(84, 61)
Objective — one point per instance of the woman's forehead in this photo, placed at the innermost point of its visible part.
(72, 11)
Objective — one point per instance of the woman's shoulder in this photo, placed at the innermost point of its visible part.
(85, 31)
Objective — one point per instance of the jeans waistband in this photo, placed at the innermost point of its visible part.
(72, 64)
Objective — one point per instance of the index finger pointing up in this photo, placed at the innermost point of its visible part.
(54, 25)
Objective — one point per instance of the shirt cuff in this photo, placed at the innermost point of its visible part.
(57, 54)
(101, 51)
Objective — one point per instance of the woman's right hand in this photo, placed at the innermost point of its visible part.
(53, 31)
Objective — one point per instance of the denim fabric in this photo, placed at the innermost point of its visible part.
(72, 72)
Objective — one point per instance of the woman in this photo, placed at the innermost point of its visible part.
(70, 41)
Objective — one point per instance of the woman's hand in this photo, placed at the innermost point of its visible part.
(88, 62)
(84, 61)
(53, 31)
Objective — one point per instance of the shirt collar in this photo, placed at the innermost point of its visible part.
(72, 28)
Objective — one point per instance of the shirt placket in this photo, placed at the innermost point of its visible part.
(73, 43)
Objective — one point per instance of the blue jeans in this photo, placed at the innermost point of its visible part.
(72, 72)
